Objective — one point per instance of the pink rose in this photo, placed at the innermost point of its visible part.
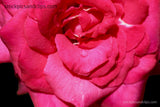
(81, 52)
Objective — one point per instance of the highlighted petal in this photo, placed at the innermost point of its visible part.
(79, 60)
(65, 85)
(4, 53)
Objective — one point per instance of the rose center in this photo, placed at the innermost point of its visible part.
(85, 26)
(79, 23)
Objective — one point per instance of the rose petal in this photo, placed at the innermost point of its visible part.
(136, 11)
(119, 10)
(135, 35)
(127, 64)
(4, 53)
(102, 28)
(65, 85)
(143, 47)
(45, 100)
(126, 95)
(22, 89)
(44, 15)
(136, 61)
(12, 35)
(79, 60)
(118, 1)
(35, 39)
(70, 13)
(100, 4)
(122, 41)
(4, 16)
(152, 25)
(103, 81)
(84, 20)
(116, 76)
(146, 64)
(32, 65)
(100, 71)
(88, 20)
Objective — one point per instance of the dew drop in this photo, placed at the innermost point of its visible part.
(84, 53)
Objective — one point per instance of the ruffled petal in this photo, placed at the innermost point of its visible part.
(127, 65)
(105, 69)
(116, 76)
(103, 81)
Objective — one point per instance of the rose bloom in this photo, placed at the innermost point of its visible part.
(82, 53)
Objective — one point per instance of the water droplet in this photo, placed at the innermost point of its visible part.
(84, 53)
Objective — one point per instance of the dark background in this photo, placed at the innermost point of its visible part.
(9, 86)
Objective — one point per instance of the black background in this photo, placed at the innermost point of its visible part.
(9, 86)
